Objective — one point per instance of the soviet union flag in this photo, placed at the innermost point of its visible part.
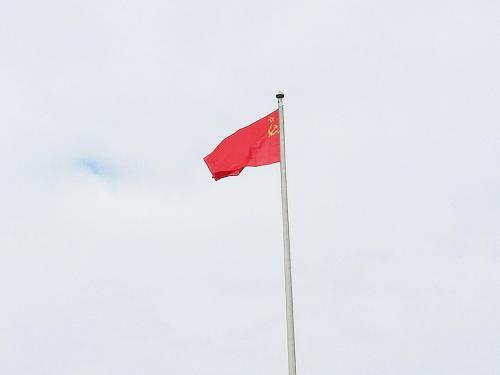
(252, 146)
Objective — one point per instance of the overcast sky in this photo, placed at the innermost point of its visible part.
(120, 255)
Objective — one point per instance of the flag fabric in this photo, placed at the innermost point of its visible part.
(252, 146)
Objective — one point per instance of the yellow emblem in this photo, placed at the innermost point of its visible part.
(273, 128)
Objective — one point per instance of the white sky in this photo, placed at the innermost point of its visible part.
(119, 254)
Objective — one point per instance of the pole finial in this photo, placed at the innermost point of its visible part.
(280, 95)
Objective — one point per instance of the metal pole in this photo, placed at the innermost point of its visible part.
(286, 243)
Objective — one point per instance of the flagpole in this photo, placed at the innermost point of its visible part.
(286, 243)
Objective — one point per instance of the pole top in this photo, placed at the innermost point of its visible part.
(280, 95)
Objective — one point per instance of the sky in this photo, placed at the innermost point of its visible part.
(120, 255)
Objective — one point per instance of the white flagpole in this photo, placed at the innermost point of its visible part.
(286, 243)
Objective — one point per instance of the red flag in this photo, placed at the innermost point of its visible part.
(254, 145)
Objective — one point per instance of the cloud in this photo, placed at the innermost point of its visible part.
(95, 167)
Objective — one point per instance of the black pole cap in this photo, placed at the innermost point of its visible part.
(280, 95)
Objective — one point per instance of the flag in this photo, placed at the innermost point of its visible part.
(252, 146)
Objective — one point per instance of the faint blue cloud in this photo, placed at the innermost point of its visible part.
(95, 166)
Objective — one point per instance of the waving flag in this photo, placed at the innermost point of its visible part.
(252, 146)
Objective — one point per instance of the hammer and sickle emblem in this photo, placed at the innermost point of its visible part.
(273, 128)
